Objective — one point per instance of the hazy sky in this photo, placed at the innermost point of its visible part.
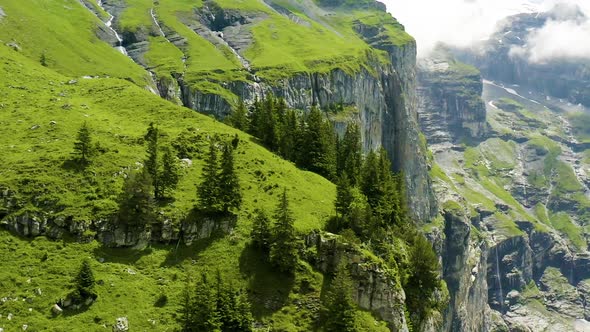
(461, 22)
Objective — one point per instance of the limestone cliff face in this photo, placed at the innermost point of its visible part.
(386, 101)
(375, 288)
(384, 95)
(450, 105)
(465, 271)
(36, 222)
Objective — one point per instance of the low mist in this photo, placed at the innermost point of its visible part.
(463, 23)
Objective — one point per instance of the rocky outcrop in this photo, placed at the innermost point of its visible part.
(450, 106)
(36, 222)
(465, 272)
(375, 287)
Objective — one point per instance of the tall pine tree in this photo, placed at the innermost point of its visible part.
(344, 196)
(230, 195)
(208, 190)
(283, 252)
(239, 117)
(169, 176)
(152, 163)
(261, 231)
(350, 154)
(136, 205)
(203, 314)
(339, 308)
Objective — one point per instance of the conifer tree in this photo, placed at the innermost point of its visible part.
(283, 252)
(85, 281)
(243, 313)
(424, 279)
(225, 305)
(170, 174)
(152, 163)
(83, 143)
(204, 316)
(239, 117)
(230, 195)
(339, 307)
(261, 232)
(268, 124)
(208, 190)
(344, 196)
(288, 135)
(351, 154)
(319, 154)
(370, 181)
(186, 318)
(136, 206)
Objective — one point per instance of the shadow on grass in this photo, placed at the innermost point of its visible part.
(268, 288)
(128, 256)
(74, 165)
(180, 252)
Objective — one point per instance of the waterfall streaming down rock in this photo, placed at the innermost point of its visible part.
(109, 24)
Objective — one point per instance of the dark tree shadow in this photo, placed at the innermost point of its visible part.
(268, 289)
(128, 256)
(180, 252)
(74, 165)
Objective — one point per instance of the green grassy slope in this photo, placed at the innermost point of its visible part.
(486, 171)
(64, 30)
(35, 164)
(310, 40)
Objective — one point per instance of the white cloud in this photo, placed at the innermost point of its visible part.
(463, 22)
(568, 39)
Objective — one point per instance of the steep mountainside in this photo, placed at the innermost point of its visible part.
(519, 231)
(206, 55)
(112, 65)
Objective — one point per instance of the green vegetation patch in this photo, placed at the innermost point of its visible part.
(63, 32)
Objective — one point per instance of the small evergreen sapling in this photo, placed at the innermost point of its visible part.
(83, 144)
(85, 281)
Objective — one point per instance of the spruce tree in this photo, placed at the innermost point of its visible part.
(170, 174)
(268, 124)
(186, 318)
(424, 278)
(313, 159)
(339, 308)
(288, 136)
(136, 206)
(344, 196)
(370, 181)
(224, 305)
(230, 195)
(152, 162)
(261, 232)
(243, 313)
(283, 252)
(239, 117)
(85, 281)
(351, 154)
(208, 190)
(83, 144)
(203, 314)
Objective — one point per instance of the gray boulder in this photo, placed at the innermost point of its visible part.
(122, 325)
(56, 309)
